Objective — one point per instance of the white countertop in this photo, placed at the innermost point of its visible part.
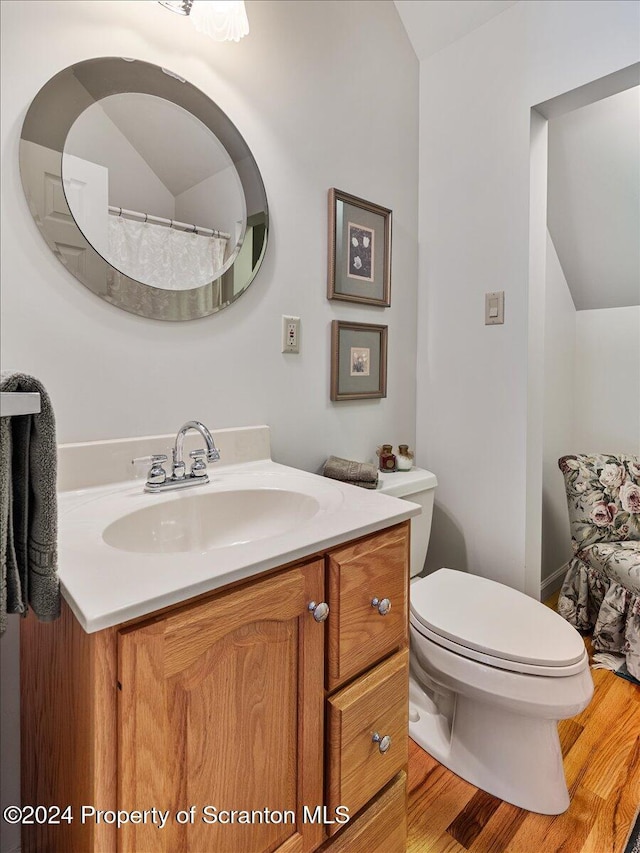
(106, 586)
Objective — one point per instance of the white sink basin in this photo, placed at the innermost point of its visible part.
(124, 553)
(203, 521)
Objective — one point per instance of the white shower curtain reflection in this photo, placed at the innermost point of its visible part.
(164, 257)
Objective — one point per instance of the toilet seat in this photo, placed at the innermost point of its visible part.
(499, 663)
(489, 622)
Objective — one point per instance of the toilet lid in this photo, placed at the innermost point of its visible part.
(492, 618)
(404, 484)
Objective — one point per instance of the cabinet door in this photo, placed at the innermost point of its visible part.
(359, 636)
(221, 711)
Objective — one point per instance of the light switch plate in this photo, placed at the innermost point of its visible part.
(494, 308)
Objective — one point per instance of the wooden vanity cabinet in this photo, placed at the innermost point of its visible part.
(220, 702)
(359, 573)
(367, 672)
(377, 702)
(221, 705)
(381, 828)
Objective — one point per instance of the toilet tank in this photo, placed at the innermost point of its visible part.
(417, 485)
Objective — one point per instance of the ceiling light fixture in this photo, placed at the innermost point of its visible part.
(221, 20)
(180, 7)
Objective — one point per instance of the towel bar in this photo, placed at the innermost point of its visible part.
(18, 403)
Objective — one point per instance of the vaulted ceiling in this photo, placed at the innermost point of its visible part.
(593, 200)
(434, 24)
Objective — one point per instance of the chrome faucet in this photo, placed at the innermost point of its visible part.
(157, 479)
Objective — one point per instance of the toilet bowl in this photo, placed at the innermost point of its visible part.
(492, 672)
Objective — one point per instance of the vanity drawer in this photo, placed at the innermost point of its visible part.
(376, 703)
(382, 826)
(376, 567)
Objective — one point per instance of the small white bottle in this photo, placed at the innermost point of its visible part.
(404, 459)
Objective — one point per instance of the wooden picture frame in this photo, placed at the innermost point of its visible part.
(359, 268)
(358, 361)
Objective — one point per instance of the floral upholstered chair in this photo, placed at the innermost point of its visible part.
(601, 590)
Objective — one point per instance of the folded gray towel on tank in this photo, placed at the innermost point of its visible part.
(28, 507)
(356, 473)
(361, 483)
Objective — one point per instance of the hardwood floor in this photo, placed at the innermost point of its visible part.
(601, 750)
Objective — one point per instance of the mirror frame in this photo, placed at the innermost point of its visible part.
(48, 122)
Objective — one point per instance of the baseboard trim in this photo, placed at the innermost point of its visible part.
(553, 582)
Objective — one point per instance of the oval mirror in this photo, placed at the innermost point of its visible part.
(143, 189)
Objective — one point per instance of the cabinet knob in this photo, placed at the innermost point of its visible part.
(319, 611)
(383, 605)
(383, 741)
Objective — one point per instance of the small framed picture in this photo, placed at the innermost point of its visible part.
(359, 250)
(358, 361)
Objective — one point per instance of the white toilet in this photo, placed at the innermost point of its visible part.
(492, 671)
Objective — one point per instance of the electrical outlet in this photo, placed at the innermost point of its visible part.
(290, 334)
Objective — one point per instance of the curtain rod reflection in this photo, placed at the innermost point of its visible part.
(172, 223)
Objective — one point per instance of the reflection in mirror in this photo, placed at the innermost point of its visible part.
(175, 210)
(143, 189)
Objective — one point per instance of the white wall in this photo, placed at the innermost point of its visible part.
(215, 202)
(308, 130)
(132, 182)
(475, 113)
(591, 397)
(559, 411)
(607, 381)
(325, 96)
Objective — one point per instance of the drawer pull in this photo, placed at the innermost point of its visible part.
(319, 611)
(383, 742)
(384, 605)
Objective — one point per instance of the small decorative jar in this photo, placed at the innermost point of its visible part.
(387, 458)
(404, 461)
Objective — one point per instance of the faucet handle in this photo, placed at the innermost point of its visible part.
(157, 474)
(148, 460)
(199, 466)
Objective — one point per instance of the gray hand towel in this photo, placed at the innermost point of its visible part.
(28, 507)
(356, 473)
(362, 484)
